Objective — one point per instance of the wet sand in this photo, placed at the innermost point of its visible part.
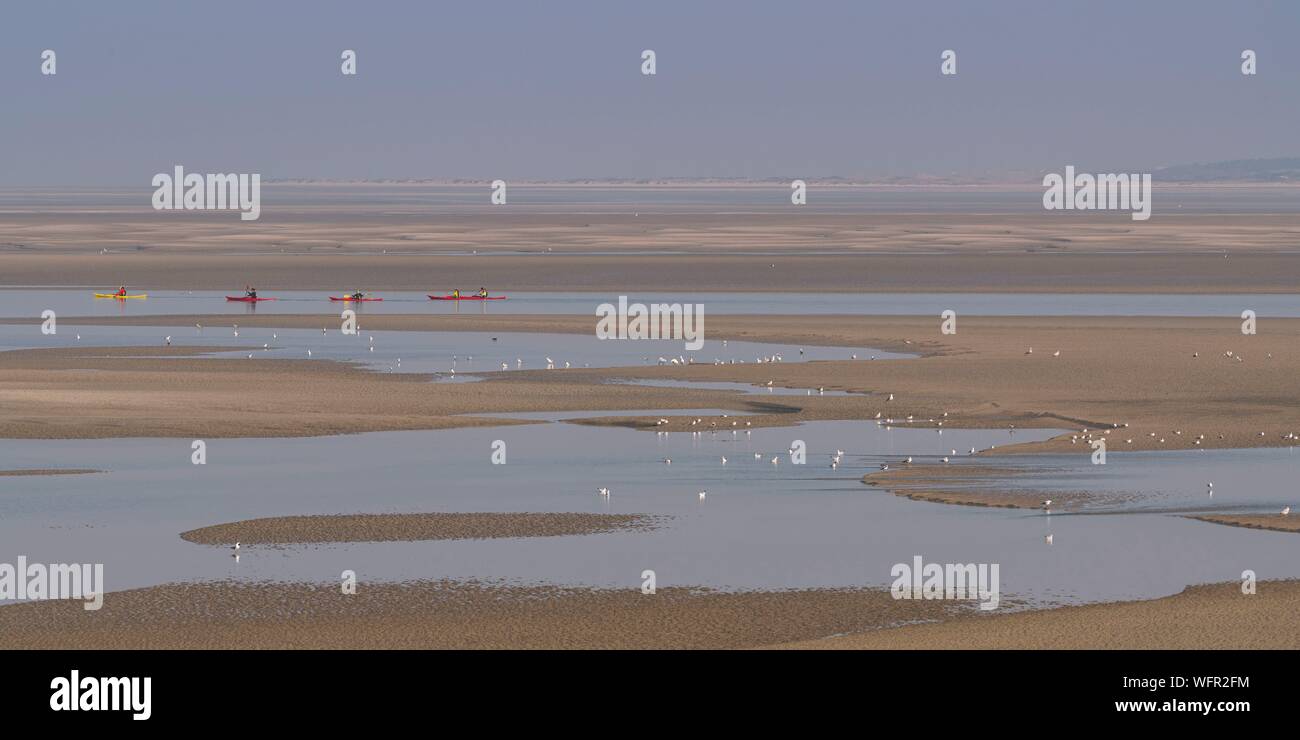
(48, 471)
(466, 615)
(1215, 617)
(971, 485)
(1167, 379)
(606, 247)
(323, 528)
(443, 615)
(1274, 522)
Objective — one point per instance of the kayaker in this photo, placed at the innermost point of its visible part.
(455, 293)
(250, 292)
(358, 295)
(482, 292)
(121, 291)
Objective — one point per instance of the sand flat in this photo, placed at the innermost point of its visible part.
(451, 615)
(456, 615)
(299, 247)
(48, 471)
(322, 528)
(1217, 617)
(1273, 522)
(1168, 379)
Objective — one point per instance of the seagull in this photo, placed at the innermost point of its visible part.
(724, 459)
(703, 494)
(668, 461)
(1286, 511)
(169, 341)
(235, 546)
(1057, 353)
(1048, 539)
(603, 492)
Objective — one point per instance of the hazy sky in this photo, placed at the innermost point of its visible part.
(553, 89)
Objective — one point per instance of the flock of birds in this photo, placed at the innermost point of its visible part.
(1084, 435)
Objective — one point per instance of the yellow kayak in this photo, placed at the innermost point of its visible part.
(115, 295)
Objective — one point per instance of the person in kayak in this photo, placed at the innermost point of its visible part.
(455, 293)
(358, 295)
(250, 292)
(121, 291)
(482, 292)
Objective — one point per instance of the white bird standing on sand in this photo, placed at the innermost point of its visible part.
(1047, 504)
(1286, 511)
(1057, 353)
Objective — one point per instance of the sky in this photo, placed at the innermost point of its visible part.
(554, 90)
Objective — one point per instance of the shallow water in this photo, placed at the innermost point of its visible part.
(425, 352)
(66, 302)
(682, 198)
(761, 526)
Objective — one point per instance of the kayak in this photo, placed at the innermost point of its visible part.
(467, 298)
(246, 299)
(350, 298)
(119, 297)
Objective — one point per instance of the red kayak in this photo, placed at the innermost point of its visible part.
(350, 298)
(467, 298)
(246, 299)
